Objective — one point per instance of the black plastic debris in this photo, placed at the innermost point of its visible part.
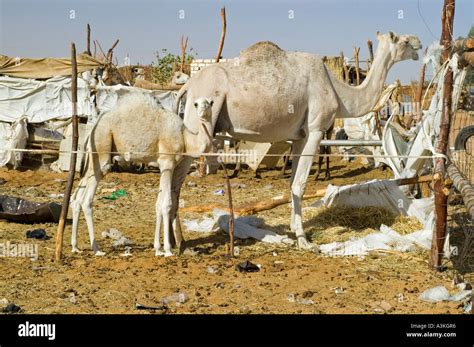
(151, 308)
(39, 234)
(23, 211)
(247, 266)
(11, 308)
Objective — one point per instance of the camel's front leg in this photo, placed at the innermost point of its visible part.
(308, 147)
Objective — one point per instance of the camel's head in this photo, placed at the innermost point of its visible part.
(179, 78)
(204, 109)
(402, 47)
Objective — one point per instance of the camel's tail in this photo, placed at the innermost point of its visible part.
(181, 92)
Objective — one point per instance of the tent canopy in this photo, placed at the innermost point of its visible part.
(45, 67)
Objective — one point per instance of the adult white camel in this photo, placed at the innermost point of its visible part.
(139, 126)
(269, 95)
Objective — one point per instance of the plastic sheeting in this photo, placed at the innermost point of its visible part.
(244, 228)
(41, 101)
(386, 194)
(12, 136)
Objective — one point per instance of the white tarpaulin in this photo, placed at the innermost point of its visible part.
(386, 194)
(12, 136)
(41, 101)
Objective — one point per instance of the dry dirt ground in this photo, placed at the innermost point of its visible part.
(379, 283)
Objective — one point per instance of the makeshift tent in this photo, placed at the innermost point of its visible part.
(45, 68)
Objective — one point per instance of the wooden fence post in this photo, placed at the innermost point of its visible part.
(356, 58)
(72, 164)
(441, 193)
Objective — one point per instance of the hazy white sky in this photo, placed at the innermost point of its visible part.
(39, 28)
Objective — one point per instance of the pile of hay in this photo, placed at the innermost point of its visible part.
(325, 225)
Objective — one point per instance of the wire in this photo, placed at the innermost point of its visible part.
(423, 19)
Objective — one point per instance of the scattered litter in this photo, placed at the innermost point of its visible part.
(338, 290)
(56, 196)
(440, 293)
(211, 270)
(206, 225)
(39, 234)
(152, 308)
(178, 298)
(268, 186)
(400, 297)
(72, 298)
(238, 185)
(11, 308)
(117, 236)
(381, 306)
(468, 307)
(191, 184)
(116, 194)
(4, 301)
(275, 254)
(247, 266)
(127, 252)
(294, 298)
(24, 211)
(278, 262)
(236, 251)
(219, 192)
(59, 180)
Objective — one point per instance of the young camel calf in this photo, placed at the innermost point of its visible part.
(142, 132)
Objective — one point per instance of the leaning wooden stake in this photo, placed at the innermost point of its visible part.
(356, 58)
(344, 66)
(72, 165)
(88, 40)
(441, 193)
(184, 45)
(371, 51)
(221, 42)
(231, 212)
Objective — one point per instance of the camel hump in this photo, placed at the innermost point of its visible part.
(264, 50)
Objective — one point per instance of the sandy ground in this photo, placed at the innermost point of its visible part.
(379, 283)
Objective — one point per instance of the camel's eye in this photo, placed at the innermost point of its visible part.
(195, 104)
(212, 102)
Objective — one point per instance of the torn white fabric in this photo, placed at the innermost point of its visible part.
(41, 101)
(13, 136)
(440, 293)
(386, 194)
(244, 228)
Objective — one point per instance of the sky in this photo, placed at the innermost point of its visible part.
(45, 28)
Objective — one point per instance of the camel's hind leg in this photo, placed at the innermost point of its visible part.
(164, 206)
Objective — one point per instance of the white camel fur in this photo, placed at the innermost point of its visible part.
(149, 133)
(269, 95)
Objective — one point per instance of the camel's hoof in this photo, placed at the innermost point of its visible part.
(168, 254)
(99, 253)
(159, 253)
(75, 250)
(306, 245)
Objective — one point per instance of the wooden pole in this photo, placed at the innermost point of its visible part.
(356, 58)
(418, 97)
(371, 51)
(184, 45)
(441, 193)
(346, 71)
(88, 40)
(72, 164)
(221, 42)
(231, 212)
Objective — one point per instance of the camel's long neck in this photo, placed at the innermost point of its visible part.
(199, 141)
(358, 101)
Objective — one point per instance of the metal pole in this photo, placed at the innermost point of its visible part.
(72, 165)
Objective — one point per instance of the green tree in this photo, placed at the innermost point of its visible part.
(166, 61)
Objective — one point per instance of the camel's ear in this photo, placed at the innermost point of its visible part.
(378, 35)
(393, 37)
